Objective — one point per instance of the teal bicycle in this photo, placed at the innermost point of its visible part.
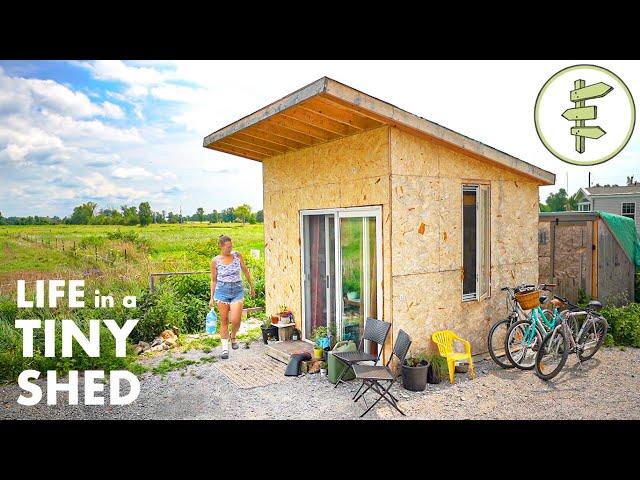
(524, 337)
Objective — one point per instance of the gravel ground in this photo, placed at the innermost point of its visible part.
(605, 388)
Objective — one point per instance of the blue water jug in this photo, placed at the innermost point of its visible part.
(211, 322)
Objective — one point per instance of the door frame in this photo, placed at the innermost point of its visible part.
(374, 211)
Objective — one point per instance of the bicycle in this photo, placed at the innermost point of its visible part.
(525, 336)
(498, 331)
(562, 340)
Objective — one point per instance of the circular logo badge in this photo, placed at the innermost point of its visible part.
(584, 115)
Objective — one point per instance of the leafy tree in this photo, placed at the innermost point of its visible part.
(145, 214)
(260, 216)
(130, 215)
(556, 202)
(228, 215)
(243, 213)
(200, 213)
(216, 217)
(83, 213)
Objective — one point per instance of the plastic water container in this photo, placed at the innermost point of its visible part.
(211, 322)
(335, 366)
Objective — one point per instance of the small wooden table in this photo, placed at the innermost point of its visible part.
(285, 330)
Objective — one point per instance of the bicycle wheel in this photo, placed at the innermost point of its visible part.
(592, 338)
(552, 354)
(496, 341)
(521, 344)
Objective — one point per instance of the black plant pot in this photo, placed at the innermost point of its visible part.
(271, 330)
(431, 376)
(415, 378)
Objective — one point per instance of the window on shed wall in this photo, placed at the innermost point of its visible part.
(629, 210)
(476, 241)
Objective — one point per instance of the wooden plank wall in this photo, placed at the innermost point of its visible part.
(615, 270)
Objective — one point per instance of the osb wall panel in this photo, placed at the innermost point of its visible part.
(426, 199)
(352, 171)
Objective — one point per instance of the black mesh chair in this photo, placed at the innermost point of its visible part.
(372, 375)
(375, 331)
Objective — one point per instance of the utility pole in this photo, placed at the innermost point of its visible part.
(589, 179)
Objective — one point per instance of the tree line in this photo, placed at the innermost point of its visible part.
(560, 202)
(89, 214)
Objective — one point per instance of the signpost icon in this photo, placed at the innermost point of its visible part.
(581, 113)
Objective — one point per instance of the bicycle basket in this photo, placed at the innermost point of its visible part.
(528, 300)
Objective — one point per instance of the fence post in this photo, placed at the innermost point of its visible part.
(95, 248)
(151, 283)
(125, 254)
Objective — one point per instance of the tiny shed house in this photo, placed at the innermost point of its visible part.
(371, 211)
(580, 252)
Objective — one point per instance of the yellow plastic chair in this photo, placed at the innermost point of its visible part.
(444, 339)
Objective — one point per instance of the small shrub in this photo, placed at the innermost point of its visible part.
(160, 311)
(193, 285)
(624, 324)
(195, 310)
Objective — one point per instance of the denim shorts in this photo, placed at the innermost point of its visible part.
(229, 292)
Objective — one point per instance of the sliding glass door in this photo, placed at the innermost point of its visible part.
(342, 270)
(318, 272)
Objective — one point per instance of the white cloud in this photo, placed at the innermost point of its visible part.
(130, 172)
(119, 71)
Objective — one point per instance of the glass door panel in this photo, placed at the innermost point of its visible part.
(319, 272)
(358, 255)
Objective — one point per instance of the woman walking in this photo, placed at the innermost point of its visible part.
(227, 291)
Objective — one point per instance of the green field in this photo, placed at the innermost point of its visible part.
(161, 247)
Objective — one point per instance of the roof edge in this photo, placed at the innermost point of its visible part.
(300, 95)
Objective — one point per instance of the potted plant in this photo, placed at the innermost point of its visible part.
(295, 335)
(323, 369)
(414, 372)
(268, 330)
(438, 368)
(321, 339)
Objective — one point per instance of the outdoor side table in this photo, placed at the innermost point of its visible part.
(285, 330)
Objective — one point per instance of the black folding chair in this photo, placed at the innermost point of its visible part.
(372, 375)
(375, 331)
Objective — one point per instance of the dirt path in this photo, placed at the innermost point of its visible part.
(605, 388)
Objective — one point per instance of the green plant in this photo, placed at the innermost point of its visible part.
(160, 311)
(609, 341)
(195, 310)
(583, 298)
(417, 359)
(319, 333)
(438, 364)
(624, 324)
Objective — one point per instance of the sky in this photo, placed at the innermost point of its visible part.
(123, 132)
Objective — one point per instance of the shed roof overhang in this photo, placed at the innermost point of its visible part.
(327, 110)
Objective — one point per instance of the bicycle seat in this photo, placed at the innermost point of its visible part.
(543, 298)
(595, 304)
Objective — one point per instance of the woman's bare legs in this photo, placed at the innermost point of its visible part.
(235, 314)
(223, 308)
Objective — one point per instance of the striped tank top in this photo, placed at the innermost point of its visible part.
(230, 272)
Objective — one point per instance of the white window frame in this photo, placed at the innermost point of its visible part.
(478, 294)
(622, 204)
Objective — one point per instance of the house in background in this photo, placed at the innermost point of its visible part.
(371, 211)
(619, 200)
